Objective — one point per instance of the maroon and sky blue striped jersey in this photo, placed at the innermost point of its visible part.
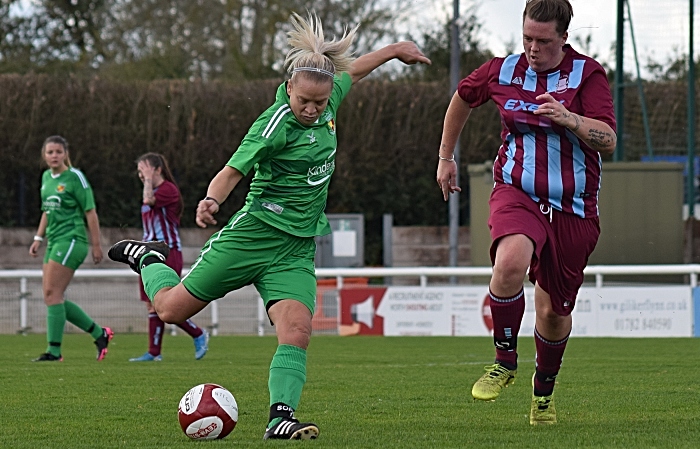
(162, 220)
(545, 160)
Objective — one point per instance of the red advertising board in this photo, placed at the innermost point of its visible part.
(358, 311)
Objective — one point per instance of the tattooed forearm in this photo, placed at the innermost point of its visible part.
(600, 140)
(577, 120)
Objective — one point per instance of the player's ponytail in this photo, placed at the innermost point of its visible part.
(312, 55)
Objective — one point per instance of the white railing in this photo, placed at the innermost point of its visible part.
(423, 273)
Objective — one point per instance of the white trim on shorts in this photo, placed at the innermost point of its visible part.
(211, 242)
(70, 250)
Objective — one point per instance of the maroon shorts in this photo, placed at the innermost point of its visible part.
(174, 261)
(563, 242)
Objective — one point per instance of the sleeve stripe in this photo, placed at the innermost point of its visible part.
(274, 121)
(80, 176)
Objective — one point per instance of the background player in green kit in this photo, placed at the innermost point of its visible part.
(67, 202)
(270, 241)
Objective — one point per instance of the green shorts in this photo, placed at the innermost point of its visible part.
(249, 251)
(69, 253)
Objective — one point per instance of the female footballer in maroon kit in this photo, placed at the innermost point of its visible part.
(160, 214)
(557, 115)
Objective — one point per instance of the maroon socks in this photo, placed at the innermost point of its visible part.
(507, 314)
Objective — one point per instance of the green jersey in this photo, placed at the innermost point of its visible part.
(65, 199)
(293, 164)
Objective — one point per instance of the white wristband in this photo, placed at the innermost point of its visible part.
(452, 159)
(38, 238)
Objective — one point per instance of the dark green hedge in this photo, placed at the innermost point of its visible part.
(387, 152)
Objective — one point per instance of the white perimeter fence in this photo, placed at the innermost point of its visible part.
(111, 296)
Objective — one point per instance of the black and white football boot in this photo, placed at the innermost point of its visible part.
(131, 251)
(291, 429)
(288, 427)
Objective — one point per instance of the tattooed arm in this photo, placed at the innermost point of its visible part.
(596, 134)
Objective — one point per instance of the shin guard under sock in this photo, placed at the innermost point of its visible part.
(287, 376)
(507, 314)
(548, 360)
(77, 316)
(55, 322)
(156, 326)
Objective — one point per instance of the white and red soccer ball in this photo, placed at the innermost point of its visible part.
(207, 412)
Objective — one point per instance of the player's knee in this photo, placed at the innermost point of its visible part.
(52, 297)
(509, 273)
(296, 334)
(547, 315)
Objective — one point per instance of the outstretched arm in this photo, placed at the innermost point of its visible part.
(406, 52)
(455, 119)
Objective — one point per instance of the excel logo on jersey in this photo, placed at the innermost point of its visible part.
(520, 105)
(61, 188)
(320, 173)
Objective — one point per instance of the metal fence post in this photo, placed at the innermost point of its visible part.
(214, 318)
(261, 317)
(23, 294)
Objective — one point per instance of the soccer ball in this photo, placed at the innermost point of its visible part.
(207, 412)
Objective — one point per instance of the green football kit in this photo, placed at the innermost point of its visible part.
(270, 241)
(65, 198)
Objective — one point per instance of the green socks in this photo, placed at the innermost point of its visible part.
(157, 276)
(77, 316)
(55, 322)
(287, 375)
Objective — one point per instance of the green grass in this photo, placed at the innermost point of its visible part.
(363, 392)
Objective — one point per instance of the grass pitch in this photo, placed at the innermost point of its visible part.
(363, 392)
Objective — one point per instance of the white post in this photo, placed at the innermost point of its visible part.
(173, 330)
(23, 305)
(598, 280)
(261, 317)
(423, 280)
(214, 318)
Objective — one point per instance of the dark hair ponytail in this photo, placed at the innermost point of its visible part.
(156, 161)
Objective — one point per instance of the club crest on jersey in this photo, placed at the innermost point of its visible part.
(562, 84)
(60, 188)
(331, 126)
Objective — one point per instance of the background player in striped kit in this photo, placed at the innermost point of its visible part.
(557, 116)
(67, 202)
(161, 210)
(270, 241)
